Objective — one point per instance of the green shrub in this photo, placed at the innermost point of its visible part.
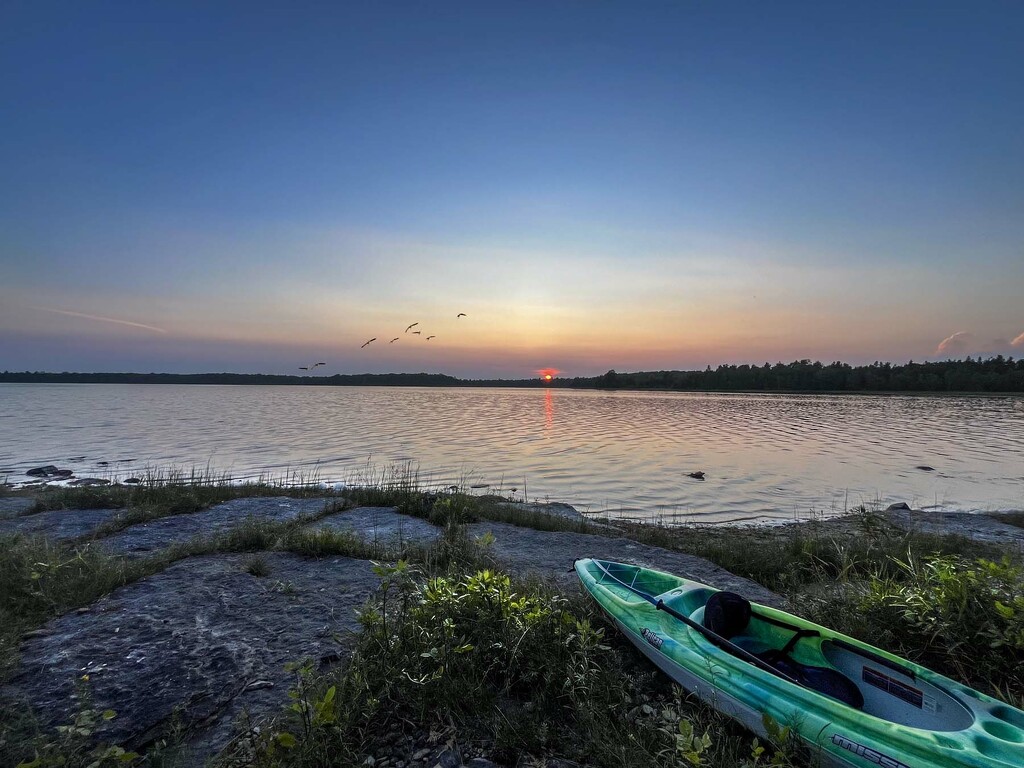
(965, 617)
(514, 665)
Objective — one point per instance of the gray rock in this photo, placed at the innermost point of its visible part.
(46, 471)
(925, 468)
(448, 758)
(145, 538)
(89, 481)
(201, 642)
(897, 505)
(697, 475)
(60, 524)
(384, 525)
(554, 509)
(481, 762)
(988, 529)
(12, 506)
(552, 553)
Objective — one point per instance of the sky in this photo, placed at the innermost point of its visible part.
(254, 187)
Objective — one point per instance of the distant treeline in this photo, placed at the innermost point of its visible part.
(351, 380)
(996, 374)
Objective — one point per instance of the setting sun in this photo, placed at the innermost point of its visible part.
(547, 374)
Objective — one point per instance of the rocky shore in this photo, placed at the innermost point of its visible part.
(203, 641)
(201, 646)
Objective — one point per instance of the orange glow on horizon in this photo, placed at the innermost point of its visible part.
(548, 373)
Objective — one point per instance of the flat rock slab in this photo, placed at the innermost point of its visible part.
(976, 526)
(383, 525)
(552, 554)
(552, 509)
(145, 538)
(199, 642)
(60, 524)
(14, 506)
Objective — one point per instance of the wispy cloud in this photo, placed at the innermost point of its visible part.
(1018, 342)
(956, 344)
(101, 319)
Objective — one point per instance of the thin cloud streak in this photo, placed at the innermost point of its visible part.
(1018, 342)
(955, 344)
(101, 319)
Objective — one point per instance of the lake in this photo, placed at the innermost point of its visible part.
(766, 456)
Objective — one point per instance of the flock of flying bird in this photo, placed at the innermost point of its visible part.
(370, 341)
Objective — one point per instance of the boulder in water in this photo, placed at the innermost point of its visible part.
(46, 471)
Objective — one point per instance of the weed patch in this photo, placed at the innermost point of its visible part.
(510, 665)
(958, 616)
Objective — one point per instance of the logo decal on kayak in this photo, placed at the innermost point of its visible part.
(871, 755)
(651, 638)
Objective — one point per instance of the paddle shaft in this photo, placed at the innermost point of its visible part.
(715, 638)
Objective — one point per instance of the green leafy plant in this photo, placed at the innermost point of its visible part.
(75, 745)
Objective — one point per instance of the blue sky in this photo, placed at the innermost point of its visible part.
(597, 185)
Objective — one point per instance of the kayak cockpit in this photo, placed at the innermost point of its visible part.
(893, 692)
(842, 670)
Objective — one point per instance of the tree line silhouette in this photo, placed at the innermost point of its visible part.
(994, 374)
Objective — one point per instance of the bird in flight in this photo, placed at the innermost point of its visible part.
(430, 337)
(417, 333)
(394, 339)
(411, 326)
(319, 364)
(461, 314)
(373, 339)
(303, 367)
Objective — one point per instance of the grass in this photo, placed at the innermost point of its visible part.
(507, 666)
(168, 493)
(789, 558)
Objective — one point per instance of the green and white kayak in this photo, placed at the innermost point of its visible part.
(854, 705)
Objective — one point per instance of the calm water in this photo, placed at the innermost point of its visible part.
(623, 453)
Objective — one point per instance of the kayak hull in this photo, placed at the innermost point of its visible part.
(912, 717)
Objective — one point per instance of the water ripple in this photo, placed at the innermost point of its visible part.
(621, 453)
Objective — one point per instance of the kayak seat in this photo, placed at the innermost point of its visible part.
(727, 614)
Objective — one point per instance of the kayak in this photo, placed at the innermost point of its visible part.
(853, 704)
